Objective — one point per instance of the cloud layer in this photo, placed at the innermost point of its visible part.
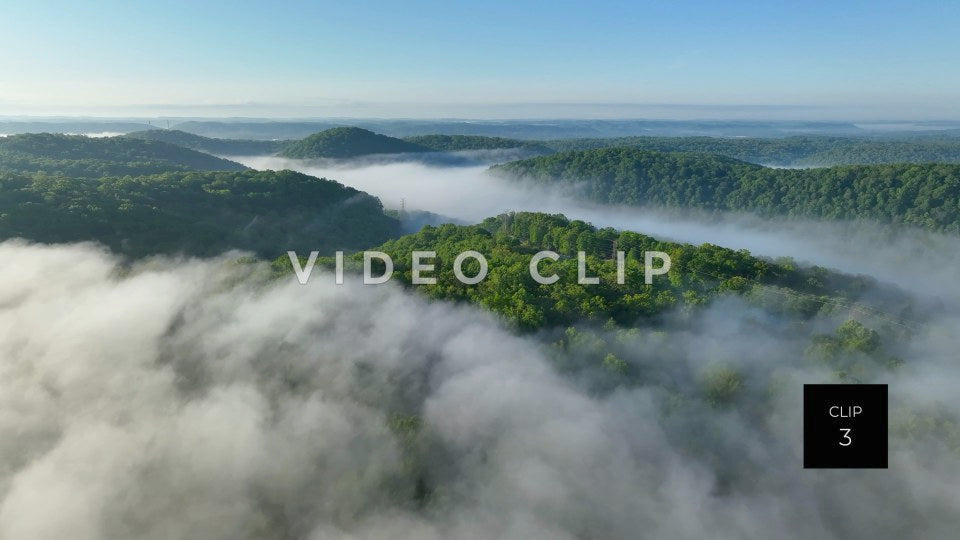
(200, 399)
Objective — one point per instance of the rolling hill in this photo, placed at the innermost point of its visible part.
(796, 151)
(223, 147)
(348, 142)
(76, 155)
(195, 213)
(925, 195)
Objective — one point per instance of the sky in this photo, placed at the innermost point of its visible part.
(417, 58)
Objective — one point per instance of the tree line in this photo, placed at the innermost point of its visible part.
(925, 195)
(193, 213)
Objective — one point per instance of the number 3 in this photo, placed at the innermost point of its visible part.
(846, 435)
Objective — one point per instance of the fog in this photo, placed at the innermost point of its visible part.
(923, 262)
(201, 399)
(98, 134)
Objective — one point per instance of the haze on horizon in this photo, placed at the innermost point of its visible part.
(859, 61)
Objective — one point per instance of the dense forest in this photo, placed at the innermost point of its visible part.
(89, 157)
(223, 147)
(925, 195)
(699, 273)
(348, 142)
(798, 151)
(196, 213)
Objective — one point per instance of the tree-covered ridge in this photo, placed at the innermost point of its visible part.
(196, 213)
(76, 155)
(797, 151)
(926, 195)
(223, 147)
(347, 142)
(453, 143)
(699, 273)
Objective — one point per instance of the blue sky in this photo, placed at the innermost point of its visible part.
(477, 59)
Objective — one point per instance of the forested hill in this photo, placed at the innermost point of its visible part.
(76, 155)
(453, 143)
(797, 151)
(223, 147)
(800, 151)
(347, 142)
(699, 274)
(925, 195)
(196, 213)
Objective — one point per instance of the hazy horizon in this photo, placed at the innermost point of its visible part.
(488, 112)
(876, 61)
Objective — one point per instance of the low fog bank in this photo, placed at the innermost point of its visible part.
(99, 134)
(920, 261)
(923, 262)
(200, 399)
(96, 134)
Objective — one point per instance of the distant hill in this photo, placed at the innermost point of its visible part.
(521, 129)
(10, 127)
(263, 130)
(780, 147)
(344, 141)
(347, 142)
(76, 155)
(925, 195)
(453, 143)
(197, 213)
(223, 147)
(800, 151)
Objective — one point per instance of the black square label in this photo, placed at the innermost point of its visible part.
(845, 426)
